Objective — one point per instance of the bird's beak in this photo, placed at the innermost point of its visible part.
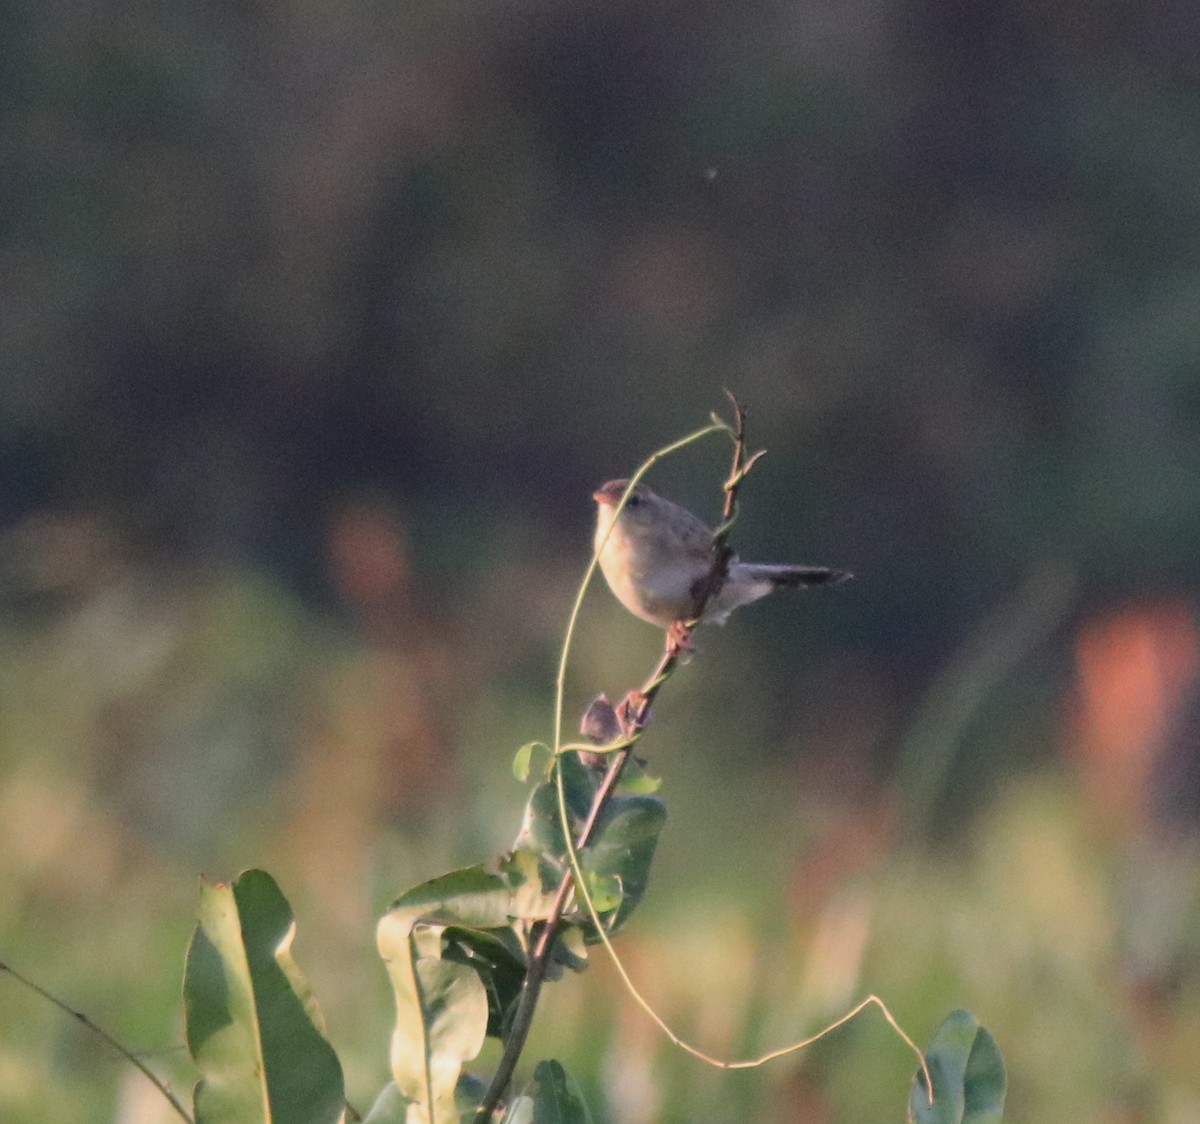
(610, 493)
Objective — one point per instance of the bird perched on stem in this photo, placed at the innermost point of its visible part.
(658, 560)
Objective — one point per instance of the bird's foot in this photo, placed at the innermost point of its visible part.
(679, 639)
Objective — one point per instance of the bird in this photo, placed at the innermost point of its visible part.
(657, 557)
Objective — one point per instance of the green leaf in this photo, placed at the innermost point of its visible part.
(969, 1081)
(523, 759)
(253, 1028)
(636, 781)
(532, 894)
(390, 1107)
(604, 890)
(467, 917)
(479, 898)
(393, 1107)
(473, 896)
(469, 1094)
(622, 845)
(622, 850)
(556, 1097)
(553, 1099)
(541, 830)
(570, 950)
(500, 962)
(441, 1015)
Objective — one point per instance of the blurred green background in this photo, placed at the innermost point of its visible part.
(321, 322)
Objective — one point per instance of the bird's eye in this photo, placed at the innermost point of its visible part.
(634, 500)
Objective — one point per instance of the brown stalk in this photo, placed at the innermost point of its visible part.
(633, 714)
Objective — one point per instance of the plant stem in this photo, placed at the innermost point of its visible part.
(633, 715)
(539, 962)
(83, 1020)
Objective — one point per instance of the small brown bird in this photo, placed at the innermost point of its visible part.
(656, 555)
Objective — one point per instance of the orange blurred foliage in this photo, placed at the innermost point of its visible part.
(1136, 669)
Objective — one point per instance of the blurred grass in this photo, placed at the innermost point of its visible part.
(154, 728)
(319, 327)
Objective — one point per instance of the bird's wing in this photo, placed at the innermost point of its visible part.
(693, 532)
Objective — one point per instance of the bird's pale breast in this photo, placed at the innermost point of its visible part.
(649, 575)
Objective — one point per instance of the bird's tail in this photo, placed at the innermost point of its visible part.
(796, 577)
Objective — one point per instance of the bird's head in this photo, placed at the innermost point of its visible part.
(642, 506)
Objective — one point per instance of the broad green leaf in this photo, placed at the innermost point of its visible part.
(622, 844)
(541, 831)
(441, 1015)
(479, 898)
(390, 1107)
(473, 896)
(252, 1025)
(523, 759)
(623, 848)
(969, 1081)
(604, 890)
(553, 1098)
(571, 948)
(467, 917)
(393, 1107)
(556, 1097)
(532, 895)
(498, 959)
(470, 1092)
(636, 781)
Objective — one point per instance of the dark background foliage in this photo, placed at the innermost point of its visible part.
(320, 324)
